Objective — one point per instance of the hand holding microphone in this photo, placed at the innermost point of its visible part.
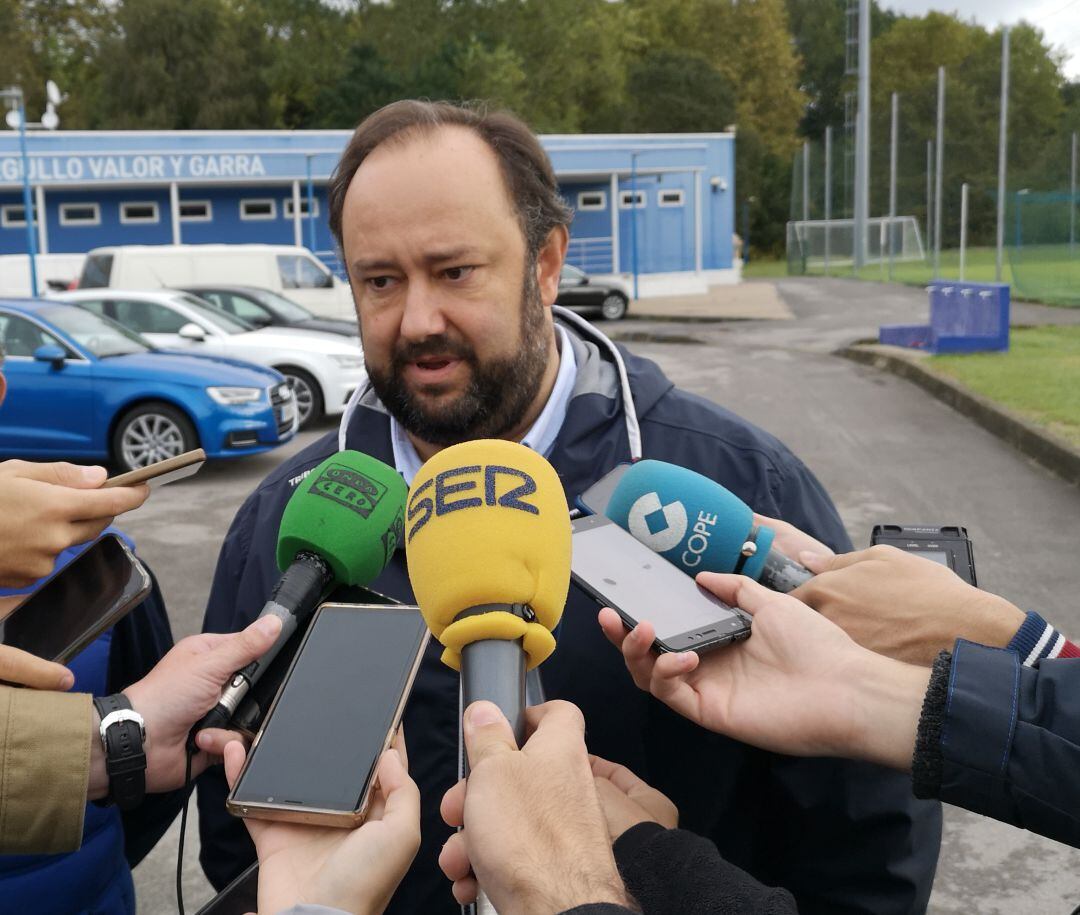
(699, 526)
(340, 527)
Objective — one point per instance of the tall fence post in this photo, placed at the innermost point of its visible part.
(929, 194)
(1003, 144)
(963, 227)
(892, 181)
(938, 168)
(828, 193)
(806, 181)
(1072, 198)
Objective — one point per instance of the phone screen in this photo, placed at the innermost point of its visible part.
(642, 585)
(329, 724)
(86, 597)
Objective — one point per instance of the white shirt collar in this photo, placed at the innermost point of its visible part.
(541, 435)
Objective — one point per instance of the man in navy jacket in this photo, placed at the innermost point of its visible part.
(454, 236)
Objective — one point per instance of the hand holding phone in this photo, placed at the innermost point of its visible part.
(49, 507)
(356, 870)
(20, 668)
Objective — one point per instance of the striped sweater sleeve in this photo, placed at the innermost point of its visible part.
(1037, 640)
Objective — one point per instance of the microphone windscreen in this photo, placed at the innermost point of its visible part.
(687, 518)
(350, 510)
(488, 524)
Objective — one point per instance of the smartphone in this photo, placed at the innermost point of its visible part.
(594, 500)
(158, 474)
(313, 761)
(622, 573)
(239, 898)
(91, 593)
(251, 713)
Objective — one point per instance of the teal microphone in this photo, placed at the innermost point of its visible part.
(340, 527)
(699, 525)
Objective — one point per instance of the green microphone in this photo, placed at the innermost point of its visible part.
(340, 527)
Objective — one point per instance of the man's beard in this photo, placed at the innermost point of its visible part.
(499, 392)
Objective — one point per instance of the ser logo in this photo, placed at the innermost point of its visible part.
(660, 527)
(444, 493)
(350, 488)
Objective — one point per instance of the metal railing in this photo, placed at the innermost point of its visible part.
(593, 255)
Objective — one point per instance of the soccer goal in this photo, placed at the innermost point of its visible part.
(818, 244)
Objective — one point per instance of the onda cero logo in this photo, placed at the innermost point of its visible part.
(461, 488)
(660, 527)
(350, 488)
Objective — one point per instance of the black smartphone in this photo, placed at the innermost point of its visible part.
(253, 708)
(622, 573)
(950, 545)
(91, 593)
(313, 761)
(595, 499)
(239, 898)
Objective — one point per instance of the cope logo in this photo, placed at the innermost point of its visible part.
(350, 488)
(660, 527)
(460, 488)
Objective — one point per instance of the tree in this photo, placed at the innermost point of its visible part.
(672, 92)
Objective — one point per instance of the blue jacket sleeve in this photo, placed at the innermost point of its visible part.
(1003, 740)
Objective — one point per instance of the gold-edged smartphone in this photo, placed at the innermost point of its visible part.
(339, 707)
(162, 472)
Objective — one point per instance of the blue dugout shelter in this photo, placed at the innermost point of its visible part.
(650, 203)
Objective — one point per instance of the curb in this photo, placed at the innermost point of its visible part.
(1053, 453)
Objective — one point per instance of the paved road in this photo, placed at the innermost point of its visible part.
(884, 450)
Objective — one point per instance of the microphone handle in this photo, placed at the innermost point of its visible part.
(782, 574)
(494, 669)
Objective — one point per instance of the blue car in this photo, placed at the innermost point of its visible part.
(82, 386)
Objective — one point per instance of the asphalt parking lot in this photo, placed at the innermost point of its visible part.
(884, 450)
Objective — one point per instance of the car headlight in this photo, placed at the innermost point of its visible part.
(348, 362)
(231, 396)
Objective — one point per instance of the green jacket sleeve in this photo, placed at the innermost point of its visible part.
(44, 770)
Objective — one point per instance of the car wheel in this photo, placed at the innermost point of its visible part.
(150, 433)
(613, 308)
(309, 400)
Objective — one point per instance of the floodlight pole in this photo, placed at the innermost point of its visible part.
(892, 180)
(805, 182)
(938, 168)
(963, 227)
(1072, 198)
(14, 96)
(929, 193)
(862, 138)
(1003, 144)
(828, 192)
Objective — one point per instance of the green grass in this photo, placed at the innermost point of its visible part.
(765, 268)
(1040, 273)
(1039, 377)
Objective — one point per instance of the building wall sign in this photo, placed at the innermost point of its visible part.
(60, 169)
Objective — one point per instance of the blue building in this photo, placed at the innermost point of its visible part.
(651, 204)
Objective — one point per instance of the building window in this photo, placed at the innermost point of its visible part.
(258, 209)
(303, 207)
(671, 198)
(135, 213)
(196, 211)
(14, 216)
(631, 200)
(80, 214)
(591, 200)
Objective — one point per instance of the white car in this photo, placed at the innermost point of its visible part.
(324, 369)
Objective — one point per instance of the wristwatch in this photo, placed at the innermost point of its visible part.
(122, 734)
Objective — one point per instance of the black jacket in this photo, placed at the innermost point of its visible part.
(842, 836)
(1003, 740)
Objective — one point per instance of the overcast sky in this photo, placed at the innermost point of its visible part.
(1058, 19)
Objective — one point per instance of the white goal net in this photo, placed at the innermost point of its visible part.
(821, 243)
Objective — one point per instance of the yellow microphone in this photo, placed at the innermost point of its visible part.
(487, 539)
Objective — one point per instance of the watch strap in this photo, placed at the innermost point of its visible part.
(125, 758)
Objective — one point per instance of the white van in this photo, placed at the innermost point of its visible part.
(290, 270)
(53, 271)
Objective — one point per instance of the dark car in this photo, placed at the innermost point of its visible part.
(579, 292)
(264, 308)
